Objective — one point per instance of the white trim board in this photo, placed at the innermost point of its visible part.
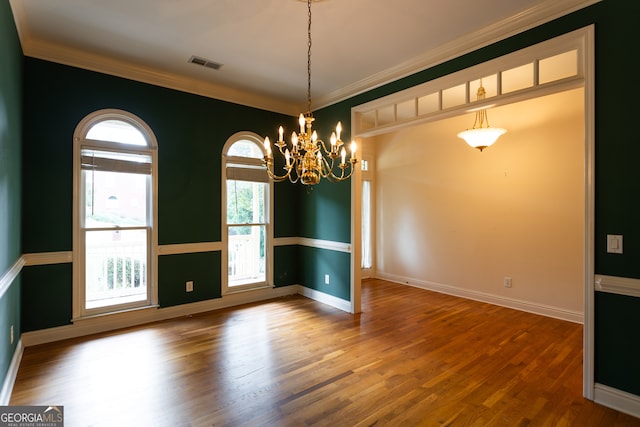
(12, 373)
(189, 248)
(327, 299)
(313, 243)
(45, 258)
(137, 317)
(10, 276)
(529, 307)
(617, 399)
(618, 285)
(533, 17)
(125, 319)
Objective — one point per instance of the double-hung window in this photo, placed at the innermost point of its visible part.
(114, 214)
(247, 201)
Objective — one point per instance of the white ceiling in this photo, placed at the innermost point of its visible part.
(262, 44)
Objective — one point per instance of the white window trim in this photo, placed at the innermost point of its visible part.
(79, 141)
(247, 161)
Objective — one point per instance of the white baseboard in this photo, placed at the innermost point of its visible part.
(335, 302)
(138, 317)
(617, 399)
(541, 309)
(12, 373)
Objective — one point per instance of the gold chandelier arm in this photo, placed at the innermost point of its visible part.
(275, 177)
(327, 170)
(330, 153)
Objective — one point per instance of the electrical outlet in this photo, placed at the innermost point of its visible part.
(507, 282)
(326, 279)
(11, 334)
(189, 286)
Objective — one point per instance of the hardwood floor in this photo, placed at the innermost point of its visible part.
(411, 358)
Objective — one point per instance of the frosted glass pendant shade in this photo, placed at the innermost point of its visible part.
(481, 138)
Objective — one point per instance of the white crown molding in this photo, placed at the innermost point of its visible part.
(99, 63)
(535, 16)
(102, 64)
(531, 18)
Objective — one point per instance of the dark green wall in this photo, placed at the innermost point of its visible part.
(191, 131)
(315, 263)
(10, 180)
(46, 296)
(203, 269)
(617, 186)
(617, 153)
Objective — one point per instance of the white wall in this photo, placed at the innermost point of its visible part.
(450, 215)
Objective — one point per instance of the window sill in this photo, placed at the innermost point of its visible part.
(246, 288)
(137, 311)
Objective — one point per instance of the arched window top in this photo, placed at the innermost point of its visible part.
(116, 131)
(243, 158)
(116, 126)
(244, 144)
(245, 148)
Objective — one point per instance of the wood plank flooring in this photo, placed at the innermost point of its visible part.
(412, 358)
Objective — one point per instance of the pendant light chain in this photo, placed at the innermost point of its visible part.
(309, 59)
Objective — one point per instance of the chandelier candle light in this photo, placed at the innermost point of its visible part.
(307, 159)
(481, 135)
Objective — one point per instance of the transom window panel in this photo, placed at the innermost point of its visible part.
(549, 65)
(558, 67)
(114, 225)
(518, 78)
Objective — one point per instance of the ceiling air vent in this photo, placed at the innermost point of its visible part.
(205, 62)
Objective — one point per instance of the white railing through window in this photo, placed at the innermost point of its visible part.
(116, 270)
(246, 264)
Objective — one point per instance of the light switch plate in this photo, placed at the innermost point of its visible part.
(614, 243)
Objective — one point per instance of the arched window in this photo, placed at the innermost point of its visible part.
(115, 176)
(246, 204)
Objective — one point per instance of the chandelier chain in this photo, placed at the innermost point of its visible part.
(307, 159)
(309, 58)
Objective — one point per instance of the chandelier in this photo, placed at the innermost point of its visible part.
(481, 135)
(307, 159)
